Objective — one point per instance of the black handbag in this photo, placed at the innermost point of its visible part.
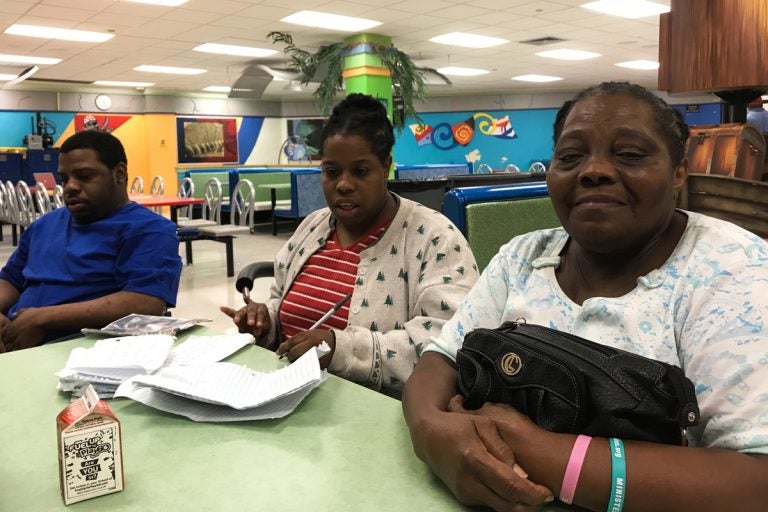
(567, 384)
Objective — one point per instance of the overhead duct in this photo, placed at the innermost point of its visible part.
(251, 83)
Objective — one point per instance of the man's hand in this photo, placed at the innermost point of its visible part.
(296, 346)
(468, 454)
(253, 318)
(3, 322)
(25, 330)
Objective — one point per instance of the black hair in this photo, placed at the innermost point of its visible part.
(668, 120)
(108, 148)
(363, 115)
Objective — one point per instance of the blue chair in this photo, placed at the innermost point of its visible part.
(491, 216)
(306, 196)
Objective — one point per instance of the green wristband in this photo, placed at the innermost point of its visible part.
(618, 475)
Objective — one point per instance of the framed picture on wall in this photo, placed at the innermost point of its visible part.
(306, 133)
(207, 139)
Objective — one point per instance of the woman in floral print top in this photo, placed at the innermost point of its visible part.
(627, 270)
(404, 267)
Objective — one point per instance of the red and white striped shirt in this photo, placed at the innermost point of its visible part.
(327, 276)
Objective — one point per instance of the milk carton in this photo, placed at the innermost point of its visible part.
(90, 450)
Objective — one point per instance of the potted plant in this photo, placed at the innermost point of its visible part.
(327, 63)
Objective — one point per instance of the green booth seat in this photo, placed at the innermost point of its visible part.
(489, 217)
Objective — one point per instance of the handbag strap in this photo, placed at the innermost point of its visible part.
(477, 391)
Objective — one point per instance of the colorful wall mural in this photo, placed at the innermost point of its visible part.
(496, 138)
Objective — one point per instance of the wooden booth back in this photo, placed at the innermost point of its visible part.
(736, 150)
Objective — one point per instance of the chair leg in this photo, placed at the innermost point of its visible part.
(188, 250)
(230, 257)
(14, 235)
(1, 231)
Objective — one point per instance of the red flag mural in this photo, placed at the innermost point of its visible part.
(464, 131)
(99, 122)
(445, 136)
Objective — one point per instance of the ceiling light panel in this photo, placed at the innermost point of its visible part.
(170, 70)
(217, 88)
(639, 64)
(230, 49)
(28, 59)
(165, 3)
(115, 83)
(63, 34)
(631, 9)
(5, 78)
(568, 54)
(460, 71)
(330, 21)
(468, 40)
(536, 78)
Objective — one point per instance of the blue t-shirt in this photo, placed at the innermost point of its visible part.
(59, 261)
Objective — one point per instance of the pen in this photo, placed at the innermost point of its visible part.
(328, 314)
(331, 311)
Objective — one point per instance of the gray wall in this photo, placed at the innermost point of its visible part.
(195, 105)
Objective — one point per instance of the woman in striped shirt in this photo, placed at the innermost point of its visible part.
(398, 268)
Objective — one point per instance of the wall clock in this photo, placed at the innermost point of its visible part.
(103, 102)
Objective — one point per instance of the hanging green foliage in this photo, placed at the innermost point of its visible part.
(327, 64)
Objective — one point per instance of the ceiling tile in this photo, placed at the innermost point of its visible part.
(10, 7)
(147, 34)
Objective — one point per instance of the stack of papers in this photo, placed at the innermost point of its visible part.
(110, 362)
(226, 392)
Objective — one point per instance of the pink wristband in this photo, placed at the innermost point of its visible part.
(572, 472)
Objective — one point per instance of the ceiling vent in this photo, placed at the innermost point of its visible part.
(543, 41)
(61, 81)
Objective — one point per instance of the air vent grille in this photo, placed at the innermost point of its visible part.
(543, 41)
(60, 81)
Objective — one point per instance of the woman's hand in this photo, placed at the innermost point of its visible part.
(513, 426)
(296, 346)
(471, 457)
(253, 318)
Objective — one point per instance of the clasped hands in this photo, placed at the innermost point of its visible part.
(253, 318)
(24, 330)
(474, 453)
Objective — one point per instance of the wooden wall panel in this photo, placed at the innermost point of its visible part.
(663, 51)
(711, 45)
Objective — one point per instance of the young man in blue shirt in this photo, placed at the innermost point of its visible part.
(99, 259)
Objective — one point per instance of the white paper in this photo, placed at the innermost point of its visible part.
(225, 391)
(234, 385)
(121, 358)
(208, 349)
(201, 411)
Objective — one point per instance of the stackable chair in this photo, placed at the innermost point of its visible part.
(27, 212)
(137, 186)
(211, 213)
(42, 199)
(157, 187)
(57, 199)
(186, 189)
